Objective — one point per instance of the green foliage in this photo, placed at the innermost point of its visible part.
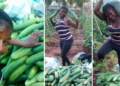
(47, 40)
(79, 3)
(48, 2)
(103, 66)
(87, 29)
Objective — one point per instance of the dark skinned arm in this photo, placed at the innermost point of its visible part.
(97, 11)
(71, 23)
(31, 42)
(53, 23)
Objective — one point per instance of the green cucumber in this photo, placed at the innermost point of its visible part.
(81, 84)
(116, 77)
(74, 77)
(19, 71)
(12, 66)
(50, 79)
(47, 70)
(75, 72)
(64, 83)
(31, 29)
(38, 84)
(54, 82)
(5, 60)
(26, 24)
(73, 14)
(32, 72)
(40, 64)
(51, 72)
(38, 48)
(84, 76)
(88, 80)
(40, 77)
(3, 5)
(25, 38)
(33, 80)
(66, 76)
(79, 80)
(14, 35)
(36, 57)
(20, 52)
(55, 13)
(41, 38)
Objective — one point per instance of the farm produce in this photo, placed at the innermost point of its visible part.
(55, 13)
(66, 76)
(24, 66)
(108, 79)
(73, 14)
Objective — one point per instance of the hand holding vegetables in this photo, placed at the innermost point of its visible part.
(31, 42)
(53, 15)
(78, 18)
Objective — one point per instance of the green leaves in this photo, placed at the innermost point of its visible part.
(98, 81)
(48, 2)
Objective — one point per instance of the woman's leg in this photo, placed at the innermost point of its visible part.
(61, 46)
(117, 49)
(65, 49)
(105, 49)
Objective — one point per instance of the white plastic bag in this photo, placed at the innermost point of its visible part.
(38, 7)
(18, 8)
(51, 62)
(75, 58)
(115, 3)
(116, 68)
(26, 9)
(14, 7)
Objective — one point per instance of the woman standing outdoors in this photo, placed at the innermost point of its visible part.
(66, 39)
(112, 19)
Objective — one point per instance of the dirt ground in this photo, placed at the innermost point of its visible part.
(53, 48)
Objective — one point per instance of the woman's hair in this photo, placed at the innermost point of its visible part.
(108, 7)
(64, 8)
(5, 19)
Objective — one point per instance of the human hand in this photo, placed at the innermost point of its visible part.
(50, 19)
(78, 18)
(31, 42)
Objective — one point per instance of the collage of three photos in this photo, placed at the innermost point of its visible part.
(59, 42)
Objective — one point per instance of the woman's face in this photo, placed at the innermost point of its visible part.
(111, 15)
(5, 36)
(62, 13)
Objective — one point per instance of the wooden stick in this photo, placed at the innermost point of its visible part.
(86, 40)
(48, 28)
(86, 24)
(97, 23)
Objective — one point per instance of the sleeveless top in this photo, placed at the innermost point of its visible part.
(114, 34)
(63, 30)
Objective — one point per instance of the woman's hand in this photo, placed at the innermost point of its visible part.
(50, 19)
(78, 18)
(31, 42)
(53, 23)
(97, 11)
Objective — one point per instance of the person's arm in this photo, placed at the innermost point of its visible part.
(53, 23)
(31, 42)
(97, 11)
(71, 23)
